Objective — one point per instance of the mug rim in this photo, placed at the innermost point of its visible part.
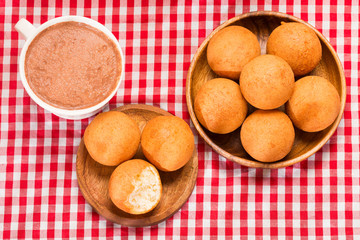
(70, 113)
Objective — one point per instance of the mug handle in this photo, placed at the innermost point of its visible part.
(25, 28)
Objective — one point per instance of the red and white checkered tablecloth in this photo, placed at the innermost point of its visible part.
(39, 194)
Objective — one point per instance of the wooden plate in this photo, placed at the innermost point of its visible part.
(93, 179)
(229, 145)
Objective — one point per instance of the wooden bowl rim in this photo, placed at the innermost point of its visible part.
(254, 163)
(136, 222)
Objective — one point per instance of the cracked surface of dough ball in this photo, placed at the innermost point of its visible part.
(230, 49)
(135, 186)
(219, 106)
(112, 137)
(298, 45)
(167, 142)
(267, 82)
(267, 136)
(314, 105)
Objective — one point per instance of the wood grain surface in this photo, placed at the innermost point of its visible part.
(93, 179)
(229, 145)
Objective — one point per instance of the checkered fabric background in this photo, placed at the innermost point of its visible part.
(39, 194)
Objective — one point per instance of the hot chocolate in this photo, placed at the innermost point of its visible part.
(72, 65)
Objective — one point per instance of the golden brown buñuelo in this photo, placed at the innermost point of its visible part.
(167, 142)
(135, 186)
(267, 135)
(219, 106)
(230, 49)
(298, 45)
(314, 105)
(267, 82)
(112, 137)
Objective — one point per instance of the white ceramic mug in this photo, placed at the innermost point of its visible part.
(29, 32)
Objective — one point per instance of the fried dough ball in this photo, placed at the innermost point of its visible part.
(135, 186)
(219, 106)
(267, 82)
(267, 136)
(230, 49)
(112, 137)
(314, 105)
(298, 45)
(167, 142)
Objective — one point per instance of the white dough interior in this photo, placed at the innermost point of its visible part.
(147, 190)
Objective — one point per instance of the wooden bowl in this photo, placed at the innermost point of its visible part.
(93, 179)
(229, 145)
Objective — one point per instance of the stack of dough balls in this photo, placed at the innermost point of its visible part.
(113, 138)
(267, 82)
